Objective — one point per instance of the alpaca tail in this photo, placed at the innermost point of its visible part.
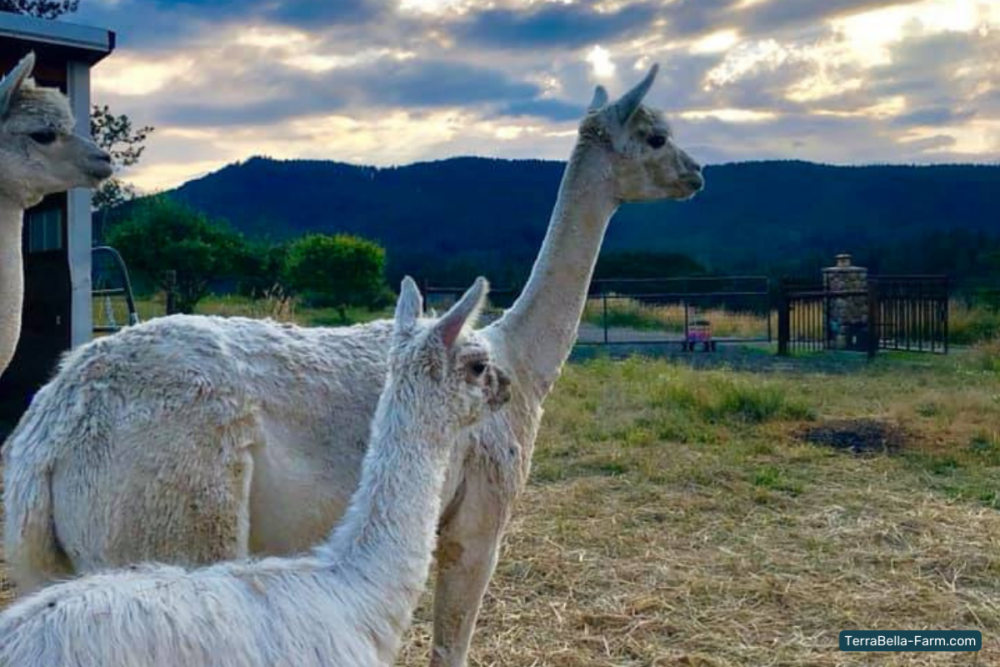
(31, 549)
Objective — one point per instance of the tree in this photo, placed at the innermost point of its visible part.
(43, 9)
(645, 264)
(160, 234)
(260, 269)
(115, 134)
(338, 271)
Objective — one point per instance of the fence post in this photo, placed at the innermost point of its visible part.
(171, 287)
(604, 317)
(874, 332)
(767, 304)
(947, 311)
(784, 319)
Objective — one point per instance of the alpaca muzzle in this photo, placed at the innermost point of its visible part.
(500, 393)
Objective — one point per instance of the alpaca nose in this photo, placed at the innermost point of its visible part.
(103, 156)
(694, 180)
(502, 393)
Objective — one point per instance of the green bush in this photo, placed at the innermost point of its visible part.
(337, 271)
(160, 234)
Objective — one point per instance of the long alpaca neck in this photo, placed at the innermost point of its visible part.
(11, 279)
(386, 539)
(541, 327)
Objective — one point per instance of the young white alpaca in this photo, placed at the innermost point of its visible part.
(349, 602)
(39, 155)
(197, 439)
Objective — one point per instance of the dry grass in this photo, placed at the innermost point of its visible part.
(655, 533)
(972, 324)
(633, 314)
(273, 305)
(674, 517)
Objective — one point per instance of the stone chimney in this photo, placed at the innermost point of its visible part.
(848, 314)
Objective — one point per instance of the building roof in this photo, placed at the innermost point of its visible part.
(79, 42)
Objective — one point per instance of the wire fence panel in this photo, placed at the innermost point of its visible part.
(907, 313)
(694, 312)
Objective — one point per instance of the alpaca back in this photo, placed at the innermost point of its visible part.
(174, 394)
(287, 612)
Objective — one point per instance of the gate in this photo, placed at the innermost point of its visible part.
(113, 301)
(908, 313)
(911, 313)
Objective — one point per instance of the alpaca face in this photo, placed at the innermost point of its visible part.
(445, 369)
(39, 153)
(647, 162)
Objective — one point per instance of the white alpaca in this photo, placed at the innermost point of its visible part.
(349, 602)
(195, 439)
(39, 155)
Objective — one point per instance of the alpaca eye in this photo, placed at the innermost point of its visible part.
(44, 137)
(657, 141)
(478, 368)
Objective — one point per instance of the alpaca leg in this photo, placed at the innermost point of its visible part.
(468, 547)
(181, 500)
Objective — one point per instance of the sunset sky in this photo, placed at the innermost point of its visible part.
(395, 81)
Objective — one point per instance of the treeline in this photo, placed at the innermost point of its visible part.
(460, 215)
(171, 246)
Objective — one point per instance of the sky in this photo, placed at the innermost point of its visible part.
(388, 82)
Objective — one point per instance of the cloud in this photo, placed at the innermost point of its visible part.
(776, 16)
(692, 18)
(553, 25)
(358, 79)
(933, 116)
(552, 109)
(286, 93)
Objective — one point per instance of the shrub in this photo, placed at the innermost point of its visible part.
(161, 234)
(337, 271)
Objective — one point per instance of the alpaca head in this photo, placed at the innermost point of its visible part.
(647, 163)
(441, 368)
(39, 153)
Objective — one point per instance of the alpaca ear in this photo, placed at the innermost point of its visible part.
(410, 305)
(629, 103)
(12, 83)
(600, 99)
(467, 310)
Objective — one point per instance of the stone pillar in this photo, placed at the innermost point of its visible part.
(847, 316)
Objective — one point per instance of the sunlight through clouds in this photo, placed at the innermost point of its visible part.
(392, 81)
(730, 115)
(131, 76)
(717, 42)
(600, 62)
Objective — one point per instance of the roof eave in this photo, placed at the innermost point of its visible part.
(86, 42)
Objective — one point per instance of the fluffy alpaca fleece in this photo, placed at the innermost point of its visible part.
(194, 439)
(349, 602)
(39, 155)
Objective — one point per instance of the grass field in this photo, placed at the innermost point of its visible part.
(106, 310)
(679, 516)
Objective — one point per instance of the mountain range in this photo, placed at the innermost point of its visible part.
(490, 215)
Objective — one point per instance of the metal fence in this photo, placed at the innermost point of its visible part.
(911, 313)
(908, 313)
(693, 313)
(112, 299)
(699, 313)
